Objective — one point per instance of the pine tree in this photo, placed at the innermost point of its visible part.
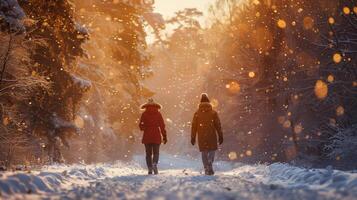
(53, 112)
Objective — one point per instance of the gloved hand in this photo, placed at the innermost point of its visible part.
(220, 140)
(165, 139)
(193, 141)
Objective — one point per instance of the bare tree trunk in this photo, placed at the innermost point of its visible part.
(9, 157)
(6, 58)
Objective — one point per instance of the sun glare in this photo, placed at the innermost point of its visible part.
(169, 7)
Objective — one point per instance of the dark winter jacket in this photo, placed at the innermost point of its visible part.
(206, 125)
(152, 123)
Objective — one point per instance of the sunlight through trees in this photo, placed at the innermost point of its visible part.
(282, 74)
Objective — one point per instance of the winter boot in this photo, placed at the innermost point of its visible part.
(150, 170)
(154, 167)
(210, 170)
(206, 170)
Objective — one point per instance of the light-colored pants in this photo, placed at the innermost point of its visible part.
(207, 159)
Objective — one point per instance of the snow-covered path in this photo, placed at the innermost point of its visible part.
(179, 179)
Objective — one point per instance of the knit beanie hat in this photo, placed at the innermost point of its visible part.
(204, 98)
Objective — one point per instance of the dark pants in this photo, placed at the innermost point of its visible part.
(207, 159)
(152, 154)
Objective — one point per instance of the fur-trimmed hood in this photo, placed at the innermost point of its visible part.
(150, 103)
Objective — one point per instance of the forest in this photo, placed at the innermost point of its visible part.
(282, 75)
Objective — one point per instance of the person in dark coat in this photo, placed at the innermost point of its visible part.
(206, 126)
(152, 123)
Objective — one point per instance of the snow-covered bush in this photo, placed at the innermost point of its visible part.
(343, 145)
(11, 15)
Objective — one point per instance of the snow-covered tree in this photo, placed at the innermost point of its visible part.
(55, 59)
(116, 62)
(338, 71)
(285, 72)
(17, 84)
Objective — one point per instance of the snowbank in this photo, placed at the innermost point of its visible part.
(57, 178)
(289, 176)
(180, 178)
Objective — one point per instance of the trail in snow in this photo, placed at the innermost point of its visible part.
(180, 178)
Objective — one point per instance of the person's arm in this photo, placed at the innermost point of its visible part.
(162, 128)
(141, 123)
(218, 127)
(194, 129)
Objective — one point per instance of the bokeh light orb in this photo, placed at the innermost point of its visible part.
(330, 78)
(233, 87)
(281, 24)
(287, 124)
(308, 23)
(321, 89)
(331, 20)
(346, 10)
(251, 74)
(340, 111)
(249, 153)
(232, 155)
(337, 58)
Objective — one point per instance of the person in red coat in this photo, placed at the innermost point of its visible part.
(153, 125)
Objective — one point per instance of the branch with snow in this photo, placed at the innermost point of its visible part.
(343, 144)
(11, 15)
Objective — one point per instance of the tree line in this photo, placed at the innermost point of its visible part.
(70, 78)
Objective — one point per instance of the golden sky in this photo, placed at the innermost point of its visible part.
(169, 7)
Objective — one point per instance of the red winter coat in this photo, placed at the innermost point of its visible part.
(152, 123)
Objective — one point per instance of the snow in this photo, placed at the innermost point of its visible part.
(343, 143)
(179, 178)
(81, 29)
(12, 14)
(58, 122)
(82, 83)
